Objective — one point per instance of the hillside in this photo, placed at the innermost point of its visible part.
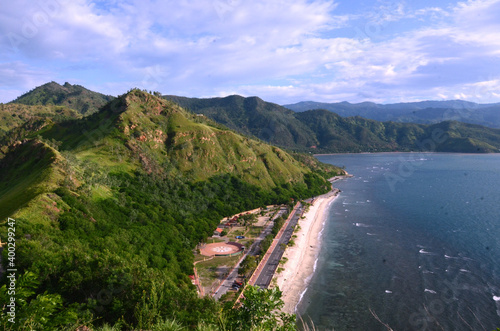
(16, 115)
(115, 203)
(424, 112)
(253, 116)
(357, 134)
(322, 131)
(75, 97)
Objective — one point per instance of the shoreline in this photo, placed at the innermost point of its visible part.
(302, 257)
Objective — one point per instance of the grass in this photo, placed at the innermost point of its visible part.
(21, 181)
(207, 270)
(254, 231)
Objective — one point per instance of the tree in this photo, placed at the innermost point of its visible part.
(261, 310)
(248, 264)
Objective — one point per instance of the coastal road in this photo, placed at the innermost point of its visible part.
(228, 282)
(267, 273)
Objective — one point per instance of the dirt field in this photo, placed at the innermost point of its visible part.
(219, 249)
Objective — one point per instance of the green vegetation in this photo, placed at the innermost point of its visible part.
(253, 116)
(110, 207)
(75, 97)
(322, 131)
(356, 134)
(248, 265)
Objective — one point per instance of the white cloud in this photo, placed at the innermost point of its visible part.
(200, 47)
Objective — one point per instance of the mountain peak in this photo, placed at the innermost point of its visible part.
(75, 97)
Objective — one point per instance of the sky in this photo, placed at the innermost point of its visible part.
(283, 51)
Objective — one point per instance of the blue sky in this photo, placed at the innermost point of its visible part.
(283, 51)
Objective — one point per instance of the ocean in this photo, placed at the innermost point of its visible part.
(412, 242)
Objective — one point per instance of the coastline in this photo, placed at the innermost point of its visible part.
(302, 257)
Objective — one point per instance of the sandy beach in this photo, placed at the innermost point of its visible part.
(298, 270)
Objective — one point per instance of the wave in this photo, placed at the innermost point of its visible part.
(388, 292)
(361, 225)
(430, 291)
(300, 298)
(427, 272)
(464, 270)
(315, 265)
(496, 298)
(371, 234)
(422, 251)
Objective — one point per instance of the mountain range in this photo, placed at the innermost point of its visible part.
(424, 112)
(322, 131)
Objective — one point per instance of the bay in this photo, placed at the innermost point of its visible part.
(412, 242)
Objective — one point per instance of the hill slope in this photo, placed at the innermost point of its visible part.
(75, 97)
(16, 115)
(253, 116)
(357, 134)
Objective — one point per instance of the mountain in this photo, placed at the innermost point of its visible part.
(357, 134)
(75, 97)
(108, 209)
(322, 131)
(424, 112)
(253, 116)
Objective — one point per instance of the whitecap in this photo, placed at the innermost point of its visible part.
(422, 251)
(315, 264)
(368, 201)
(347, 210)
(463, 270)
(388, 292)
(371, 234)
(361, 225)
(427, 272)
(496, 298)
(430, 291)
(300, 298)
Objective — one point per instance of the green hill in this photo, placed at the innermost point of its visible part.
(253, 116)
(357, 134)
(322, 131)
(110, 207)
(75, 97)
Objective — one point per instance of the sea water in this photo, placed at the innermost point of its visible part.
(412, 242)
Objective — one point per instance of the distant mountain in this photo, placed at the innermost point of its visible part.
(323, 131)
(75, 97)
(424, 112)
(357, 134)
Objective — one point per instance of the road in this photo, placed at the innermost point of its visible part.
(267, 273)
(228, 282)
